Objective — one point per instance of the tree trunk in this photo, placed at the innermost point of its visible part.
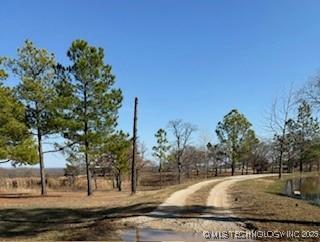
(119, 182)
(179, 173)
(42, 171)
(280, 166)
(89, 177)
(137, 177)
(95, 182)
(247, 168)
(86, 144)
(280, 160)
(242, 168)
(233, 163)
(160, 173)
(232, 167)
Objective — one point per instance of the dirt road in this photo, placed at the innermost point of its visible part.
(218, 196)
(215, 217)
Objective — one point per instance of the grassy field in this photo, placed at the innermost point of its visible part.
(73, 215)
(262, 207)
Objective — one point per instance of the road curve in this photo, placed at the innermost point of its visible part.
(217, 217)
(218, 196)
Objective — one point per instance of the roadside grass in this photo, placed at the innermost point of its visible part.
(73, 215)
(199, 198)
(262, 207)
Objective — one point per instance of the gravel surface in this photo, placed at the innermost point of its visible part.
(216, 217)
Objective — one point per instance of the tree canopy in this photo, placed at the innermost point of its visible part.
(232, 133)
(16, 142)
(95, 103)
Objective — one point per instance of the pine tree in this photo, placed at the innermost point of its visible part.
(118, 146)
(36, 69)
(16, 144)
(231, 133)
(303, 131)
(94, 109)
(161, 149)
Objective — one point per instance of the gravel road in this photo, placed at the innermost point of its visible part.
(217, 217)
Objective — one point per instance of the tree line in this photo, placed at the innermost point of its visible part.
(294, 143)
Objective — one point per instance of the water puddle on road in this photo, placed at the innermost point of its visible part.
(149, 234)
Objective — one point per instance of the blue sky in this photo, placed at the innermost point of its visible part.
(193, 60)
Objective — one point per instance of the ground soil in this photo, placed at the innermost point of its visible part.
(265, 208)
(218, 204)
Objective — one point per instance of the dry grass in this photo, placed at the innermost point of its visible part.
(199, 198)
(61, 200)
(30, 184)
(73, 215)
(261, 207)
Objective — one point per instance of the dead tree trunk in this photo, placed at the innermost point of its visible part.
(134, 149)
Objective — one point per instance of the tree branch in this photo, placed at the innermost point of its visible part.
(60, 148)
(6, 161)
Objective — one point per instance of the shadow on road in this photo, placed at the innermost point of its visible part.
(83, 224)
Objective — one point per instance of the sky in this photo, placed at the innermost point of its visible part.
(190, 60)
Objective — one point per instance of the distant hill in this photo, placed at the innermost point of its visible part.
(29, 172)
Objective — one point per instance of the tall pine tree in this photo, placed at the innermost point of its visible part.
(304, 130)
(232, 132)
(36, 69)
(95, 105)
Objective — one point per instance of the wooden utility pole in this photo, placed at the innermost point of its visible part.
(134, 149)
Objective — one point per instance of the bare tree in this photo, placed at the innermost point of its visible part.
(279, 122)
(311, 92)
(216, 155)
(192, 160)
(261, 157)
(182, 132)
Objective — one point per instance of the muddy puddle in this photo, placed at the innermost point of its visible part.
(149, 234)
